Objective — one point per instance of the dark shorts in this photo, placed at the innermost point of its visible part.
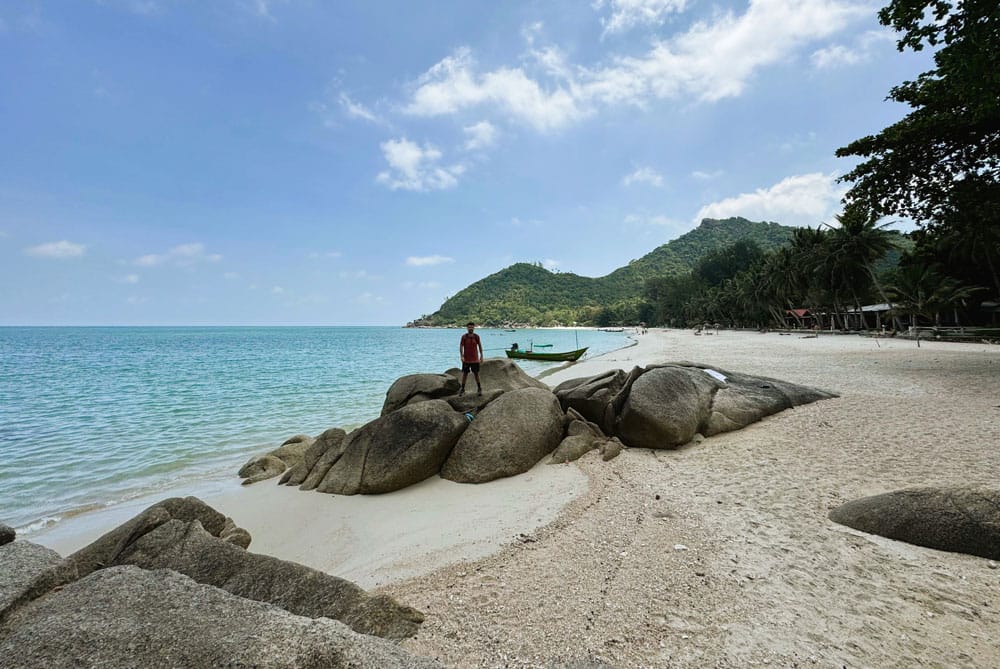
(470, 367)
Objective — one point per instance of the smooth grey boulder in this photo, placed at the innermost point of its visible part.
(105, 550)
(665, 407)
(7, 534)
(260, 468)
(508, 437)
(498, 374)
(581, 437)
(298, 473)
(394, 451)
(573, 448)
(237, 536)
(592, 396)
(24, 568)
(185, 547)
(473, 401)
(269, 465)
(125, 617)
(611, 449)
(745, 399)
(956, 519)
(337, 441)
(418, 388)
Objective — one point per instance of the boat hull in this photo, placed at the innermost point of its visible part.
(568, 356)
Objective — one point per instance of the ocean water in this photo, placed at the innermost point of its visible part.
(94, 416)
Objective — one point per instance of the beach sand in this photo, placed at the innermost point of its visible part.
(719, 554)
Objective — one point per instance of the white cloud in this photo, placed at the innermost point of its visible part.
(839, 55)
(712, 60)
(453, 85)
(315, 255)
(231, 275)
(645, 175)
(416, 168)
(60, 249)
(705, 176)
(807, 199)
(424, 261)
(482, 135)
(627, 14)
(131, 278)
(834, 56)
(550, 264)
(277, 290)
(357, 110)
(136, 300)
(183, 255)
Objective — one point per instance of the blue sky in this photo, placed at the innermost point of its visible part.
(334, 163)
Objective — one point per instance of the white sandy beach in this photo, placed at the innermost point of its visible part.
(719, 554)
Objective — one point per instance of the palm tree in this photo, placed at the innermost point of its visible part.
(859, 242)
(921, 291)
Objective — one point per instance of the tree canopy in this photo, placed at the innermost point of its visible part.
(952, 133)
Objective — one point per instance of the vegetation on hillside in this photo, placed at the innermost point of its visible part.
(938, 166)
(526, 293)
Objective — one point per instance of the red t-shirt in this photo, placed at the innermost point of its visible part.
(470, 347)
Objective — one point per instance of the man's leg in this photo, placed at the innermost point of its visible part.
(465, 375)
(479, 385)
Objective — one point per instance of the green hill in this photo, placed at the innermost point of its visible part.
(529, 294)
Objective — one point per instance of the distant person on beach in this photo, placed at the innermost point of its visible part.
(471, 349)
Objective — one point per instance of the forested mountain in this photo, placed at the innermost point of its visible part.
(529, 294)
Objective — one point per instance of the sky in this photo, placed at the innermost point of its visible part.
(312, 162)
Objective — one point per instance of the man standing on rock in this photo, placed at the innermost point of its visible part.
(471, 350)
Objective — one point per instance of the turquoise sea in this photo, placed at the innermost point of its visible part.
(93, 416)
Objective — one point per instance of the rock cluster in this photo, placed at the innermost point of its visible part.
(174, 586)
(427, 428)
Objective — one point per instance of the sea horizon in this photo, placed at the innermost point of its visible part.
(93, 416)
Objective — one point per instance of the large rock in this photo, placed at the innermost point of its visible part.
(499, 374)
(665, 407)
(329, 439)
(329, 457)
(24, 567)
(185, 547)
(418, 388)
(744, 399)
(269, 465)
(957, 519)
(396, 450)
(507, 437)
(105, 550)
(592, 396)
(128, 617)
(581, 437)
(7, 534)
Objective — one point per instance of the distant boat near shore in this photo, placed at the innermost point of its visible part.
(568, 356)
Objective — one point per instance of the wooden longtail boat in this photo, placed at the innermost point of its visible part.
(556, 357)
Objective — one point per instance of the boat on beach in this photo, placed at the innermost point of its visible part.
(567, 356)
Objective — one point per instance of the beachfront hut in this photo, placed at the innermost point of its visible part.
(799, 318)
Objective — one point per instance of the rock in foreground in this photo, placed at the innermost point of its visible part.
(175, 587)
(131, 617)
(956, 519)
